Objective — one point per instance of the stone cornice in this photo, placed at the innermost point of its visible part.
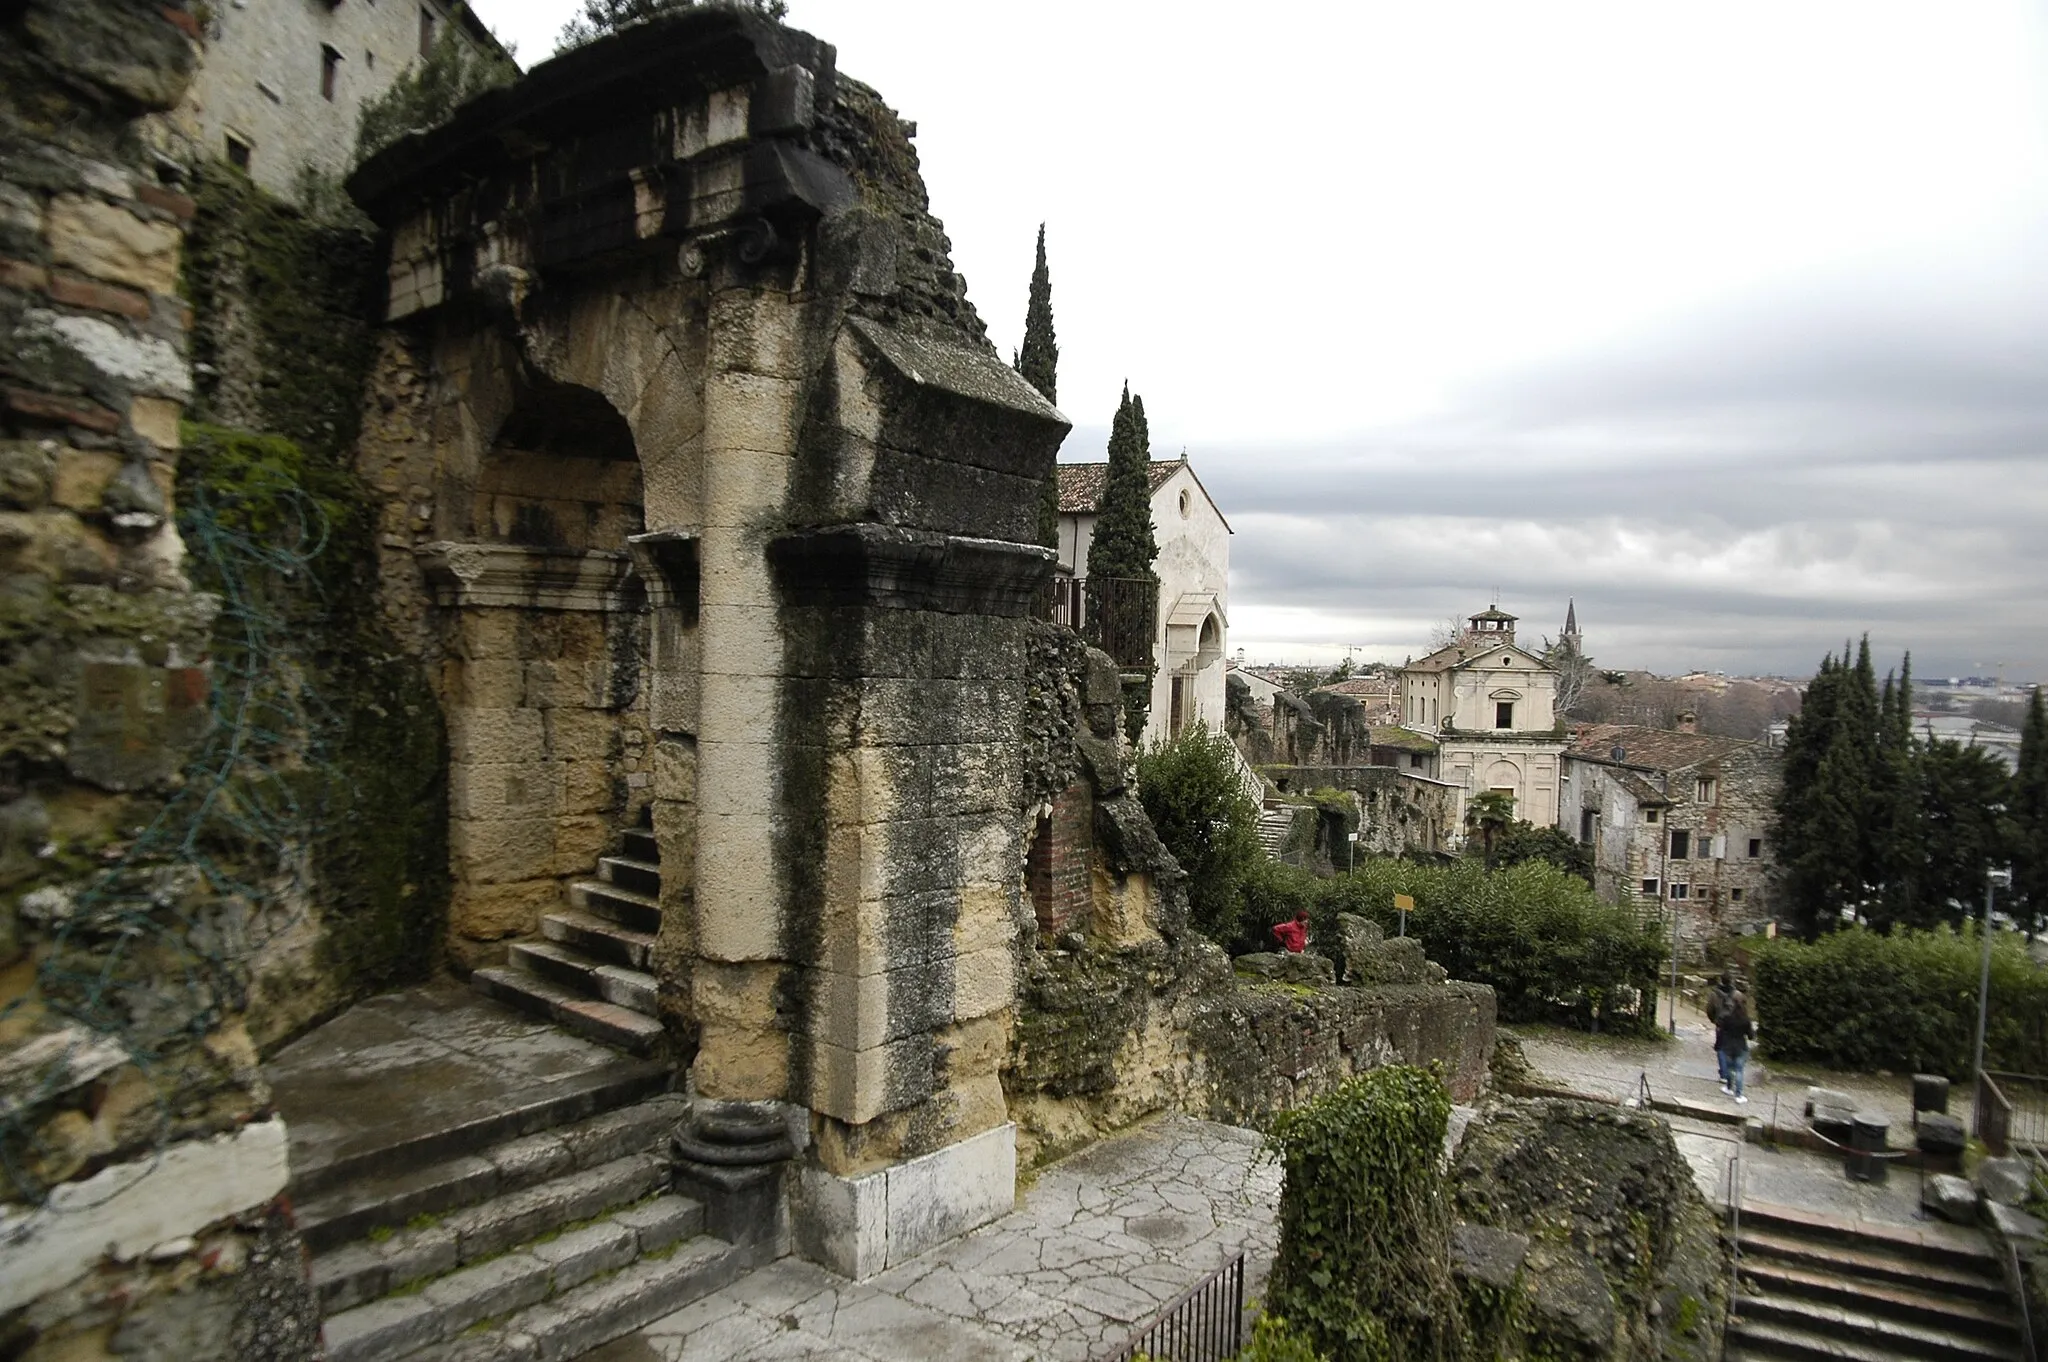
(534, 578)
(888, 567)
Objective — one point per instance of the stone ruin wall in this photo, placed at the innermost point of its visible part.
(1125, 1011)
(132, 1115)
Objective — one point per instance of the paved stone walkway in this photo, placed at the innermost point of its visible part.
(1099, 1244)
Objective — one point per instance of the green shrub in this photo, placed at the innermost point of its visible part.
(1363, 1267)
(1190, 791)
(1551, 950)
(1907, 1001)
(1275, 1340)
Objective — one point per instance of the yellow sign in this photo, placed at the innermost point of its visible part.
(1405, 902)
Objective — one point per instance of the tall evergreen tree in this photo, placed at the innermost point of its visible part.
(1967, 801)
(2030, 816)
(1039, 361)
(1899, 813)
(1122, 587)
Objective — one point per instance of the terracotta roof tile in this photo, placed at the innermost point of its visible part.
(1658, 749)
(1082, 484)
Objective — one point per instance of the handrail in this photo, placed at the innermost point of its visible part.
(1205, 1323)
(2016, 1282)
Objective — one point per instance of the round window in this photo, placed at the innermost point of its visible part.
(1185, 503)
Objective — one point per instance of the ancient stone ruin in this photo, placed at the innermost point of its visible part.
(687, 682)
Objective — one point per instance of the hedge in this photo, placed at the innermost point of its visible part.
(1906, 1002)
(1551, 949)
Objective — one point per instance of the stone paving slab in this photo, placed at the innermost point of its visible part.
(410, 1064)
(1099, 1243)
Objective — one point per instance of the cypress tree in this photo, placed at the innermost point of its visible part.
(1121, 584)
(1793, 833)
(1900, 816)
(1038, 361)
(2030, 816)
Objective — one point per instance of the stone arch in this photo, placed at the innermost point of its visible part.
(562, 472)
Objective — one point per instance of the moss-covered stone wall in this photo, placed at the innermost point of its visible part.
(282, 341)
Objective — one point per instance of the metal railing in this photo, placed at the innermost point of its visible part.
(1119, 615)
(1206, 1324)
(2010, 1109)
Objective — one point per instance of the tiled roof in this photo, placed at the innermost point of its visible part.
(1082, 484)
(1658, 749)
(1407, 739)
(1377, 687)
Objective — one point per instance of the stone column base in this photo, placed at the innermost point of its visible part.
(863, 1225)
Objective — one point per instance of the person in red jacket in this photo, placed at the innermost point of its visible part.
(1293, 936)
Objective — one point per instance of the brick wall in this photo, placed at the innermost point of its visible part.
(1057, 866)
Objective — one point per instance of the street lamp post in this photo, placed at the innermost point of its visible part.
(1993, 879)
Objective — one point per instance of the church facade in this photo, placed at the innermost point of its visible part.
(1491, 706)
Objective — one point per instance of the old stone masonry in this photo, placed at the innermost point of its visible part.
(533, 779)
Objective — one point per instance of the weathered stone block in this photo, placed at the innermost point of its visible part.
(1950, 1197)
(1289, 967)
(97, 238)
(738, 888)
(580, 734)
(499, 790)
(492, 912)
(749, 413)
(741, 1063)
(858, 1085)
(1940, 1134)
(495, 735)
(2004, 1180)
(984, 982)
(578, 842)
(499, 851)
(80, 477)
(859, 1011)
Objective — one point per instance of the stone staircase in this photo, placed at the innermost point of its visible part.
(589, 973)
(536, 1233)
(1815, 1287)
(1275, 821)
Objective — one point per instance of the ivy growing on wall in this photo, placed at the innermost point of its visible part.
(1363, 1268)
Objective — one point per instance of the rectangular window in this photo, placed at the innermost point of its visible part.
(426, 31)
(330, 68)
(1704, 791)
(238, 152)
(1649, 815)
(1415, 761)
(1681, 844)
(1504, 714)
(1735, 895)
(1649, 888)
(1679, 891)
(1756, 847)
(1586, 817)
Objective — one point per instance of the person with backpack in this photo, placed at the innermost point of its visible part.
(1717, 1003)
(1732, 1030)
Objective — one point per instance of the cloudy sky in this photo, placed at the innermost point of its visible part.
(1729, 320)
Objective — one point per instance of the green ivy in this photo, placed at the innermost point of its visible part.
(1362, 1270)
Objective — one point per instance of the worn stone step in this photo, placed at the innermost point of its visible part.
(642, 877)
(587, 975)
(599, 1311)
(600, 937)
(1748, 1340)
(446, 1305)
(558, 1105)
(1934, 1242)
(1962, 1314)
(639, 844)
(641, 912)
(1833, 1325)
(349, 1273)
(601, 1021)
(1981, 1282)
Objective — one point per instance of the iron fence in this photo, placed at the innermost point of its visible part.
(1205, 1325)
(1119, 615)
(2011, 1109)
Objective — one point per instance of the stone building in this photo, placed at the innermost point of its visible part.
(280, 85)
(1677, 820)
(1492, 707)
(1192, 622)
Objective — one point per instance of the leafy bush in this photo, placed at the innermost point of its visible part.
(429, 91)
(1190, 791)
(1363, 1267)
(1906, 1001)
(1548, 946)
(1275, 1340)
